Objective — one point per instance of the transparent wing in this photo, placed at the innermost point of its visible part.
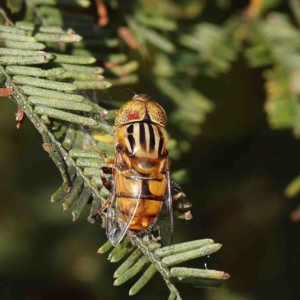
(165, 218)
(119, 221)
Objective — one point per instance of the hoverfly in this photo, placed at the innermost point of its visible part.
(141, 192)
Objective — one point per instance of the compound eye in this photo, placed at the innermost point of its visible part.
(132, 111)
(133, 115)
(156, 113)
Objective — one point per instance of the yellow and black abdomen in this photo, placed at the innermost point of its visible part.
(140, 199)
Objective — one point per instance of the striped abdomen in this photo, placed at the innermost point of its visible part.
(140, 197)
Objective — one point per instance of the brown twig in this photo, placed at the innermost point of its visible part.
(20, 117)
(254, 8)
(7, 91)
(102, 13)
(295, 215)
(127, 36)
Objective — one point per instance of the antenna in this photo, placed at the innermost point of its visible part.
(131, 91)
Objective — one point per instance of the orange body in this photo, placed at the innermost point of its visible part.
(140, 171)
(141, 183)
(141, 197)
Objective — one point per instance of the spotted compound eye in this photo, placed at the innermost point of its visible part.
(141, 108)
(134, 115)
(131, 111)
(156, 113)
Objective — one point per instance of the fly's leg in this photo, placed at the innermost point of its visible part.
(176, 191)
(108, 185)
(108, 171)
(93, 218)
(109, 161)
(181, 206)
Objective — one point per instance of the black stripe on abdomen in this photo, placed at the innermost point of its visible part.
(144, 193)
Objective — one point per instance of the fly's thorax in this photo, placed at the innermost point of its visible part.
(143, 140)
(143, 146)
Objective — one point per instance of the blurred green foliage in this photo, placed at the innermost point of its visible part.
(195, 58)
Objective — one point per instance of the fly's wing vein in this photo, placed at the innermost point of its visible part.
(165, 218)
(116, 227)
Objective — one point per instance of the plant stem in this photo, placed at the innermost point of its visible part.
(157, 263)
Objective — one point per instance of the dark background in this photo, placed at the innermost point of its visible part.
(237, 169)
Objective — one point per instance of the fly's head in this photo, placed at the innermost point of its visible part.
(141, 109)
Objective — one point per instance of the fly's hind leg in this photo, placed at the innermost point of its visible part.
(181, 206)
(93, 218)
(176, 191)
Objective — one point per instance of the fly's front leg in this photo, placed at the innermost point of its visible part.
(181, 206)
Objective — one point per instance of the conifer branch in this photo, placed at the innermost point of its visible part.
(74, 129)
(162, 260)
